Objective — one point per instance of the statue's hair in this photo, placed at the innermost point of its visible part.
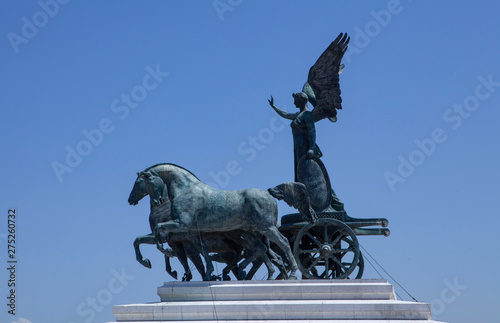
(300, 95)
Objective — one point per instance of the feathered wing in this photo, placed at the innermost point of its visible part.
(322, 86)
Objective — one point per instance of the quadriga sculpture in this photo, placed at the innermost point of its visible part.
(195, 208)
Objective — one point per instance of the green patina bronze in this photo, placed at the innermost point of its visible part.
(240, 228)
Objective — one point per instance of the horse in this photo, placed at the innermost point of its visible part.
(227, 251)
(180, 250)
(198, 208)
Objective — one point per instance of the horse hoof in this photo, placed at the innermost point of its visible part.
(241, 274)
(146, 263)
(174, 274)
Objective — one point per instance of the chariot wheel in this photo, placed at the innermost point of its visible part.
(327, 249)
(357, 273)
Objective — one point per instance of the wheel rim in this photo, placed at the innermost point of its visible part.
(326, 249)
(361, 266)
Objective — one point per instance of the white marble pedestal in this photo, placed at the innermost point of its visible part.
(311, 301)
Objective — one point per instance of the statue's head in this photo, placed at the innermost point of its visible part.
(300, 99)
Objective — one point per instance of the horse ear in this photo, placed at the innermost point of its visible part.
(144, 175)
(138, 174)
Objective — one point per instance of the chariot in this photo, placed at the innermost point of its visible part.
(327, 247)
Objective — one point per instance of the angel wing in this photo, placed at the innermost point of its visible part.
(322, 86)
(295, 195)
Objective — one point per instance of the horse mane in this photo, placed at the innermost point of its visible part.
(170, 164)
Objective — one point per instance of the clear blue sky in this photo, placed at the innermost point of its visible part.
(416, 142)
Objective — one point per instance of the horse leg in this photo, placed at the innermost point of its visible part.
(163, 231)
(273, 234)
(228, 258)
(267, 259)
(227, 270)
(202, 248)
(146, 239)
(168, 268)
(182, 255)
(236, 237)
(179, 226)
(258, 263)
(235, 269)
(269, 266)
(255, 266)
(193, 254)
(150, 239)
(256, 246)
(275, 258)
(278, 262)
(231, 257)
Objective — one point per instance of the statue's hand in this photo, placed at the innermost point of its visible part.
(310, 153)
(271, 102)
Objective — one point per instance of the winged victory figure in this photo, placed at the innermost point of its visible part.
(322, 91)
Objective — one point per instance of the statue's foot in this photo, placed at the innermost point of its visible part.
(292, 276)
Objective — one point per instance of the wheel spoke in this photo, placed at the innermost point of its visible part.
(313, 238)
(338, 238)
(327, 267)
(314, 263)
(339, 263)
(309, 251)
(325, 234)
(344, 250)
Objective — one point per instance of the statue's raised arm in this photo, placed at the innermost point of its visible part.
(322, 86)
(283, 114)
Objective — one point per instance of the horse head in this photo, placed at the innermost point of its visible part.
(138, 191)
(155, 187)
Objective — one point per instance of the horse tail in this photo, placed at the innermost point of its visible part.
(295, 195)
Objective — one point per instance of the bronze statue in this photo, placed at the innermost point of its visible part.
(193, 208)
(240, 227)
(322, 90)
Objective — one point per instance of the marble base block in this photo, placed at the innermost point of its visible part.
(311, 301)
